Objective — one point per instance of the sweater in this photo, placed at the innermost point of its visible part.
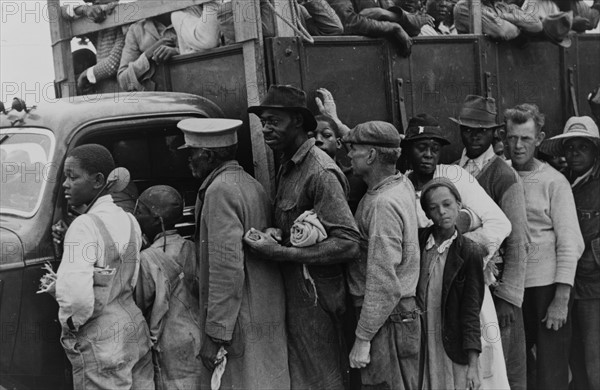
(388, 268)
(556, 241)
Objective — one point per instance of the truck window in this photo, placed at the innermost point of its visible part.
(26, 156)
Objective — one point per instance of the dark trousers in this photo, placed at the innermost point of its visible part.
(549, 369)
(513, 346)
(585, 351)
(316, 351)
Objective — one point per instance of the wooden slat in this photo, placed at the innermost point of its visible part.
(60, 33)
(285, 10)
(248, 29)
(475, 12)
(128, 13)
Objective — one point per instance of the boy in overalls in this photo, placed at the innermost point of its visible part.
(103, 332)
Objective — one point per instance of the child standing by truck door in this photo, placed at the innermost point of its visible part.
(103, 332)
(167, 290)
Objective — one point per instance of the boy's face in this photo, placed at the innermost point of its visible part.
(80, 186)
(442, 207)
(325, 138)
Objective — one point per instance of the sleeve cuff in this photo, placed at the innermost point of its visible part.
(90, 75)
(363, 334)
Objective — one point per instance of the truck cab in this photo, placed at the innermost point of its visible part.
(141, 132)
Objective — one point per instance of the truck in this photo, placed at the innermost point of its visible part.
(368, 78)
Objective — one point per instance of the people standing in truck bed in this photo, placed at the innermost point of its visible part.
(104, 333)
(149, 43)
(167, 290)
(442, 12)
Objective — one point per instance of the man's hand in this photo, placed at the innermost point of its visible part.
(276, 233)
(95, 13)
(505, 312)
(260, 242)
(82, 82)
(164, 53)
(360, 354)
(326, 104)
(556, 316)
(149, 52)
(404, 39)
(58, 232)
(208, 353)
(473, 381)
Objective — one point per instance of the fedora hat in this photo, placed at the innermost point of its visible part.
(424, 126)
(478, 112)
(288, 98)
(576, 126)
(557, 27)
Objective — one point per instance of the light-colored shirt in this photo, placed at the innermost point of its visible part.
(495, 227)
(442, 29)
(476, 163)
(84, 251)
(197, 27)
(556, 240)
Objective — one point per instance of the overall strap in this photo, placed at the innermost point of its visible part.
(110, 251)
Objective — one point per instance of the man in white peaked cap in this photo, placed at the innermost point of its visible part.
(234, 284)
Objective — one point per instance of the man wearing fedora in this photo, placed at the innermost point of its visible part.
(478, 123)
(308, 179)
(556, 246)
(234, 283)
(580, 145)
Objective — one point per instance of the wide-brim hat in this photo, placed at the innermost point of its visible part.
(576, 126)
(557, 28)
(287, 98)
(424, 126)
(478, 112)
(209, 132)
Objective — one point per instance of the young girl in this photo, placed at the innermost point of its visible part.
(450, 291)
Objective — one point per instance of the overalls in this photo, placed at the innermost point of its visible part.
(112, 349)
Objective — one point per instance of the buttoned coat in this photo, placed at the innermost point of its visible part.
(242, 298)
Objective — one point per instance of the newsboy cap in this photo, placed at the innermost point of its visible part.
(376, 133)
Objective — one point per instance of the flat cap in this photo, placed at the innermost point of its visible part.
(209, 132)
(376, 133)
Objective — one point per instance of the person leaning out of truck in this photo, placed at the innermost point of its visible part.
(148, 43)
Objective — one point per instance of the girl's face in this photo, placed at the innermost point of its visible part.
(442, 207)
(80, 187)
(325, 138)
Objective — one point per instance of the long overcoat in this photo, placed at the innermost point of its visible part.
(241, 296)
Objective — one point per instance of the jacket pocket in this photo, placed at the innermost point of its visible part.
(103, 282)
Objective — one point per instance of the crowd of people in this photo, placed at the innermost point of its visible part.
(483, 274)
(129, 54)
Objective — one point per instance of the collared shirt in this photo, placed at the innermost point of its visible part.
(443, 246)
(311, 180)
(582, 177)
(84, 250)
(478, 163)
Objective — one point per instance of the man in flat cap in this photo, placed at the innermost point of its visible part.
(308, 179)
(383, 281)
(241, 294)
(478, 123)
